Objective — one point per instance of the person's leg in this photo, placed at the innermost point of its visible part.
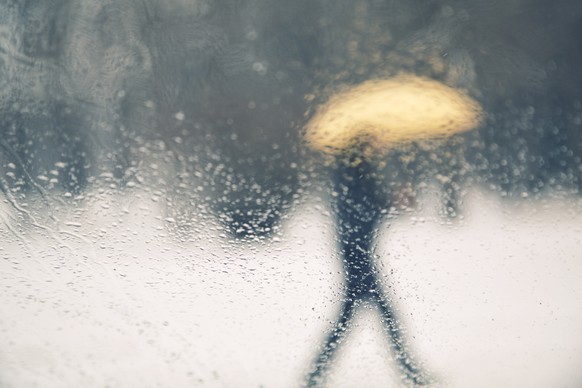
(332, 342)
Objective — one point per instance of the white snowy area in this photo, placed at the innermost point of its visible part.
(111, 297)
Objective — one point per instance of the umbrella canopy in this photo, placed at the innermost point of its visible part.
(382, 113)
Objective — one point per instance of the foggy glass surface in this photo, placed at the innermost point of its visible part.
(166, 222)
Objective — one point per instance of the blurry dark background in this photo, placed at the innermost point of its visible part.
(93, 88)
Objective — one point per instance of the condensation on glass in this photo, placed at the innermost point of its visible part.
(308, 193)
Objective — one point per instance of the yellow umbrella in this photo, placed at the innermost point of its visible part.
(383, 113)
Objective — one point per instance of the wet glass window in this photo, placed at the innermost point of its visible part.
(261, 193)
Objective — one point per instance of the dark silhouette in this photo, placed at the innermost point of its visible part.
(358, 211)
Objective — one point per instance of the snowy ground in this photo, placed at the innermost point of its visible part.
(110, 298)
